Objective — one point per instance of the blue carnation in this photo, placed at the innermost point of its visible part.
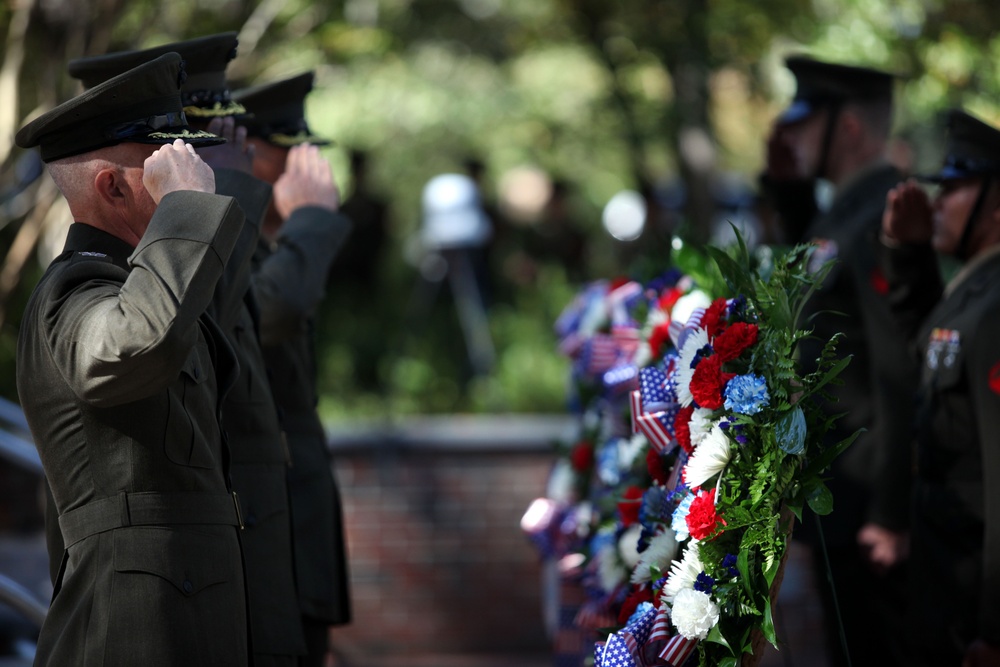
(746, 394)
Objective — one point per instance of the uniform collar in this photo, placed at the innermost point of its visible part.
(86, 238)
(971, 268)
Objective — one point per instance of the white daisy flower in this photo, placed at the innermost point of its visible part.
(709, 459)
(694, 614)
(683, 574)
(610, 570)
(661, 550)
(695, 340)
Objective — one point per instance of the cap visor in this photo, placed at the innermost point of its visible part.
(168, 135)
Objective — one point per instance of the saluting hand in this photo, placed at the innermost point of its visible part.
(236, 153)
(176, 167)
(908, 216)
(307, 181)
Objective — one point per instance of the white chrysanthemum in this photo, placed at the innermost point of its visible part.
(687, 304)
(629, 449)
(709, 459)
(700, 425)
(628, 546)
(610, 571)
(683, 573)
(694, 614)
(661, 550)
(695, 340)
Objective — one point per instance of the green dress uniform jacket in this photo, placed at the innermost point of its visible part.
(289, 280)
(869, 481)
(260, 459)
(955, 538)
(120, 373)
(871, 478)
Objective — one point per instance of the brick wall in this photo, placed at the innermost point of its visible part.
(438, 561)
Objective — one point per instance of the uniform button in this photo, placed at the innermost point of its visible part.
(187, 586)
(250, 521)
(197, 372)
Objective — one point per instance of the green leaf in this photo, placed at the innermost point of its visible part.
(728, 662)
(736, 277)
(771, 572)
(825, 457)
(820, 499)
(743, 565)
(767, 625)
(716, 637)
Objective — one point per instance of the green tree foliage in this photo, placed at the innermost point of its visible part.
(601, 95)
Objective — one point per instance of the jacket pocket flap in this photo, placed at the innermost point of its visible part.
(189, 560)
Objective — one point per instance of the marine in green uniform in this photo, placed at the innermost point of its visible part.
(955, 548)
(250, 416)
(299, 243)
(120, 374)
(836, 129)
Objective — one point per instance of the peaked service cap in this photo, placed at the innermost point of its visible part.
(141, 105)
(972, 149)
(278, 111)
(819, 84)
(205, 93)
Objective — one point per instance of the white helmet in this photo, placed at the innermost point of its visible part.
(453, 213)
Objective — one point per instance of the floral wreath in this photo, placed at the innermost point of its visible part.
(736, 451)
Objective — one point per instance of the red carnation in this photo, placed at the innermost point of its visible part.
(707, 382)
(730, 344)
(581, 457)
(670, 299)
(620, 281)
(628, 506)
(657, 470)
(702, 520)
(682, 428)
(640, 593)
(711, 321)
(657, 339)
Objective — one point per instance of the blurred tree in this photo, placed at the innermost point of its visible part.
(601, 95)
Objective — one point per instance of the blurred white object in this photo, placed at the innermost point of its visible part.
(453, 214)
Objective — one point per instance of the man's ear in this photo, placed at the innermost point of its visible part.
(108, 183)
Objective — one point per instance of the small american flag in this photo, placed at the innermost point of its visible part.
(620, 379)
(615, 653)
(637, 633)
(656, 426)
(599, 354)
(656, 394)
(677, 651)
(628, 339)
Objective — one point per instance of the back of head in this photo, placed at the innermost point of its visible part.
(204, 92)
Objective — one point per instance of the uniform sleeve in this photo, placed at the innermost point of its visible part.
(893, 379)
(289, 282)
(253, 196)
(116, 343)
(984, 374)
(914, 282)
